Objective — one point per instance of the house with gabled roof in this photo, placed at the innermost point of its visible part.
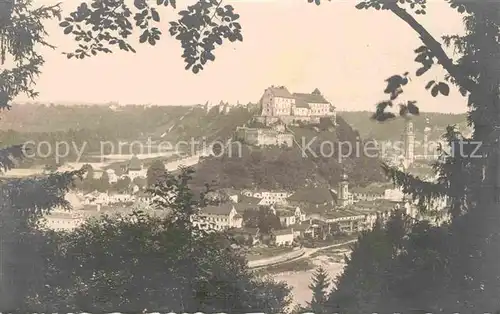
(310, 195)
(219, 217)
(283, 237)
(135, 168)
(288, 215)
(287, 218)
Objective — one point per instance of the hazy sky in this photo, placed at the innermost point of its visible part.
(344, 52)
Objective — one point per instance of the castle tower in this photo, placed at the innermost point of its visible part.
(409, 142)
(343, 191)
(427, 131)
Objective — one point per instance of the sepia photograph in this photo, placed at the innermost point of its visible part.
(250, 156)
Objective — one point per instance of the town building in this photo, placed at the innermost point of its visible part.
(219, 217)
(285, 210)
(269, 197)
(311, 196)
(232, 194)
(369, 193)
(283, 237)
(120, 198)
(63, 221)
(95, 198)
(287, 218)
(135, 169)
(393, 194)
(112, 177)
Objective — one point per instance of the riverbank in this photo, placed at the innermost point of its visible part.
(297, 272)
(299, 280)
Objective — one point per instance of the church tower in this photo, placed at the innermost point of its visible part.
(427, 131)
(409, 142)
(343, 191)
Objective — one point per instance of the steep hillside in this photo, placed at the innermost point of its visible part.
(292, 168)
(133, 122)
(128, 121)
(198, 124)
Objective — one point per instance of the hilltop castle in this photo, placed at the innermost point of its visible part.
(279, 108)
(277, 103)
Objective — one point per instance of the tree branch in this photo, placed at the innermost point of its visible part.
(436, 48)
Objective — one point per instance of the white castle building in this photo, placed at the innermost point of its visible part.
(279, 103)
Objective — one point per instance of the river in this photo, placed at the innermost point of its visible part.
(299, 280)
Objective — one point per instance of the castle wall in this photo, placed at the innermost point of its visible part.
(263, 137)
(267, 120)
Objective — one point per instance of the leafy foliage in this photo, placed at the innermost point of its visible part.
(22, 34)
(263, 219)
(408, 266)
(155, 171)
(23, 202)
(319, 286)
(167, 264)
(101, 26)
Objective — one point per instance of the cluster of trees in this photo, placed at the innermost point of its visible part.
(406, 265)
(89, 183)
(166, 265)
(410, 265)
(263, 218)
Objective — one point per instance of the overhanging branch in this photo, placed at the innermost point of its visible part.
(436, 48)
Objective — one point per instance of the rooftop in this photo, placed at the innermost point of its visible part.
(311, 98)
(242, 207)
(284, 213)
(280, 91)
(313, 195)
(370, 189)
(300, 103)
(342, 213)
(249, 200)
(221, 210)
(312, 209)
(134, 164)
(283, 232)
(375, 205)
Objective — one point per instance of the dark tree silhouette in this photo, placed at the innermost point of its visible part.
(167, 264)
(263, 218)
(320, 286)
(155, 171)
(123, 185)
